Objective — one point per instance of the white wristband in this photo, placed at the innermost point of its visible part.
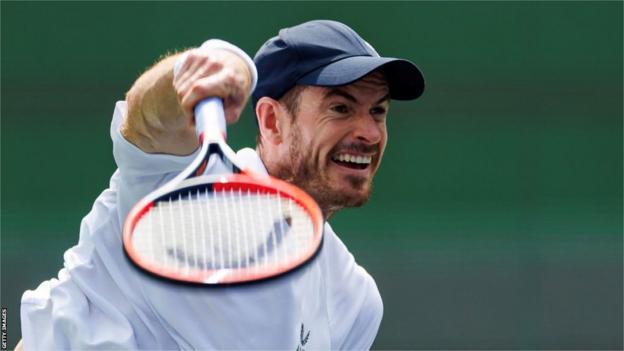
(221, 44)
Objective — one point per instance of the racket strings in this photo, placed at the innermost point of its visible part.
(238, 229)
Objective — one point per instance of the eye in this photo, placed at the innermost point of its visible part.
(340, 108)
(379, 112)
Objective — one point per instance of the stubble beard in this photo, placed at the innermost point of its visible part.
(299, 169)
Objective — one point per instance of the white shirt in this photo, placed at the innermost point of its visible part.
(101, 301)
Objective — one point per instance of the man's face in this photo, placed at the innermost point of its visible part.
(336, 141)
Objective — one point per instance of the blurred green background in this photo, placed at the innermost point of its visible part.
(496, 219)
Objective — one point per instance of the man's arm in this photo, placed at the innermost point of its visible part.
(160, 104)
(158, 120)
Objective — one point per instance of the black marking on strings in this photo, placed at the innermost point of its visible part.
(195, 262)
(187, 193)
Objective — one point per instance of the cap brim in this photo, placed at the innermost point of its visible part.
(405, 80)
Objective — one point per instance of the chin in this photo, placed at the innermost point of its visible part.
(358, 201)
(351, 196)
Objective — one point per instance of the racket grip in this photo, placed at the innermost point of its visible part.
(210, 119)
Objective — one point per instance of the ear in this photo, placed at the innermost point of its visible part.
(269, 114)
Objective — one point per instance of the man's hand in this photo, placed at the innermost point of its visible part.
(160, 106)
(209, 72)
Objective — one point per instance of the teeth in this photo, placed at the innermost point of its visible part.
(353, 158)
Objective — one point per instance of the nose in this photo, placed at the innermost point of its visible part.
(368, 130)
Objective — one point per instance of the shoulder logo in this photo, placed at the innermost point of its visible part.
(303, 338)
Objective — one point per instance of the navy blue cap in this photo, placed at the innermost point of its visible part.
(328, 53)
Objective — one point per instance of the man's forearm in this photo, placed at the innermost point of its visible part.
(155, 122)
(160, 105)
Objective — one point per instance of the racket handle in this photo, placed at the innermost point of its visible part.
(210, 119)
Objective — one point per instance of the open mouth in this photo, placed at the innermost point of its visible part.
(352, 161)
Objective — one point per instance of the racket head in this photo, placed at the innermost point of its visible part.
(221, 229)
(224, 229)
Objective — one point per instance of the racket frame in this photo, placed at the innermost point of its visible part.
(210, 127)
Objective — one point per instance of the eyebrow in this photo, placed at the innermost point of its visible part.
(344, 94)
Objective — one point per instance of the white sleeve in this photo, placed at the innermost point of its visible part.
(140, 172)
(96, 301)
(354, 301)
(83, 308)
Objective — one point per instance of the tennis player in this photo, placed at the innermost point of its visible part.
(321, 95)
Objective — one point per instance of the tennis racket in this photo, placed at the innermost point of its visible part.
(220, 229)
